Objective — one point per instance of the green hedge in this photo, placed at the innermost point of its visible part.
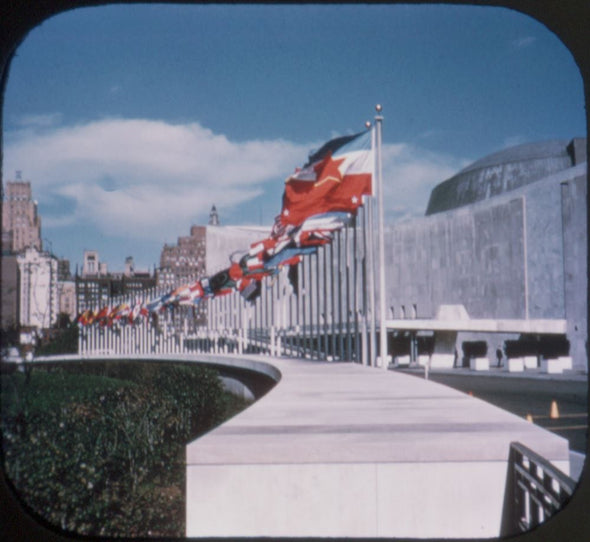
(98, 448)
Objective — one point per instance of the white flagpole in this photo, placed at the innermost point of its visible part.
(383, 328)
(370, 258)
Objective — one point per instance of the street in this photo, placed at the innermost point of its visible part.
(528, 396)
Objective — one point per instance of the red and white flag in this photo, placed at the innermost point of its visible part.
(335, 178)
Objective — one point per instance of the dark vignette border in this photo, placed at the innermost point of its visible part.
(568, 19)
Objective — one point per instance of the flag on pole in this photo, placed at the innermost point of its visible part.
(333, 179)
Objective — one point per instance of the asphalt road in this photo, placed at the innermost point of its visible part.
(532, 396)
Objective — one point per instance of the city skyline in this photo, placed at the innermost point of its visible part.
(146, 116)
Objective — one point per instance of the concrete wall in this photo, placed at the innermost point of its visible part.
(574, 205)
(222, 241)
(521, 254)
(472, 256)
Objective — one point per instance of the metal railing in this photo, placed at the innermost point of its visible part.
(537, 489)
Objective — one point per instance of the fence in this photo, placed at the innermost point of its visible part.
(536, 489)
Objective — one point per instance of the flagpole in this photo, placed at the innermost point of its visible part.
(370, 258)
(383, 328)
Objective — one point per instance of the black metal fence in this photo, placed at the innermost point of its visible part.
(536, 489)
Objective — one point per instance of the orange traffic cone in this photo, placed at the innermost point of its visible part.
(554, 414)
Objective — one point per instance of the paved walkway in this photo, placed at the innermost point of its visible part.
(338, 449)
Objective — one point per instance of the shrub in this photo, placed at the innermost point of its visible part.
(103, 454)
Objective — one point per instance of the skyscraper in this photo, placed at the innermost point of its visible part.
(21, 225)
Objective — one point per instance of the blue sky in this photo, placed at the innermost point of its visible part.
(131, 121)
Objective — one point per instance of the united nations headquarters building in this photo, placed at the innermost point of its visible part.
(497, 267)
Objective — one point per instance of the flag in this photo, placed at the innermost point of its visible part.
(102, 316)
(333, 179)
(86, 318)
(138, 311)
(288, 256)
(119, 313)
(159, 303)
(221, 283)
(250, 289)
(191, 295)
(327, 221)
(187, 294)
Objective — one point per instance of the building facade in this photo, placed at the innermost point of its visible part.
(66, 290)
(506, 238)
(97, 287)
(10, 292)
(21, 225)
(184, 262)
(38, 292)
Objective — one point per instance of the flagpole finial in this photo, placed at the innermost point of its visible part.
(378, 108)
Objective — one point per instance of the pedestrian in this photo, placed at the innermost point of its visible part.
(499, 356)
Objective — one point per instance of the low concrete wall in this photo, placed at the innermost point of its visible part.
(345, 500)
(340, 450)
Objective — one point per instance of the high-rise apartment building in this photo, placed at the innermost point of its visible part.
(38, 292)
(21, 225)
(184, 262)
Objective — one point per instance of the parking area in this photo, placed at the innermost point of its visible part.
(558, 403)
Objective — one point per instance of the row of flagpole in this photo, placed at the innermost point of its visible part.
(364, 319)
(323, 321)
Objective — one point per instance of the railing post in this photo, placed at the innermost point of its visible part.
(531, 496)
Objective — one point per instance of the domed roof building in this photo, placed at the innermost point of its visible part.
(504, 241)
(506, 170)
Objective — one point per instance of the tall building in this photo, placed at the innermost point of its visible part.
(10, 291)
(66, 290)
(96, 286)
(185, 261)
(21, 225)
(38, 292)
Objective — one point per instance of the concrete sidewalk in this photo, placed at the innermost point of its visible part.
(338, 449)
(499, 372)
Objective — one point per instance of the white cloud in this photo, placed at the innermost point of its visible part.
(409, 175)
(134, 176)
(146, 179)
